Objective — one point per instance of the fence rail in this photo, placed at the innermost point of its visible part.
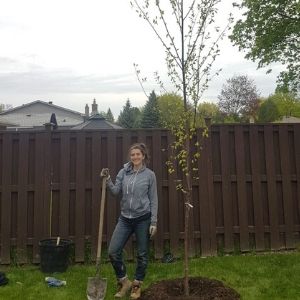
(247, 196)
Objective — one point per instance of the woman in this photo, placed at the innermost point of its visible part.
(138, 215)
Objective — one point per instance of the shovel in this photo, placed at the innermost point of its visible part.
(96, 286)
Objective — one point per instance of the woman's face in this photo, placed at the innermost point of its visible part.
(136, 157)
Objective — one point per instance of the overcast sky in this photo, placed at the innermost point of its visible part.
(72, 51)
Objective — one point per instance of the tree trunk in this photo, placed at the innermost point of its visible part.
(187, 208)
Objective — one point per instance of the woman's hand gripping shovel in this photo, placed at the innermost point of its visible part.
(96, 286)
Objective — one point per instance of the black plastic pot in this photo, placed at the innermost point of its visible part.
(54, 258)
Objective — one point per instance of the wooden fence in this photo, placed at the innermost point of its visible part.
(247, 196)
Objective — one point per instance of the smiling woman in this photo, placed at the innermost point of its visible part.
(138, 215)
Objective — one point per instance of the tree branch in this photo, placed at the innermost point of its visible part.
(138, 77)
(288, 17)
(168, 32)
(188, 12)
(155, 31)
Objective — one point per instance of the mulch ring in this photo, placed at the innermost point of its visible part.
(200, 289)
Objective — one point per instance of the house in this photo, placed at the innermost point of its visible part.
(40, 114)
(96, 121)
(35, 115)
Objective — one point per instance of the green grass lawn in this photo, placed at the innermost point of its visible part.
(257, 277)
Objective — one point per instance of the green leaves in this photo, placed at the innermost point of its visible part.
(271, 33)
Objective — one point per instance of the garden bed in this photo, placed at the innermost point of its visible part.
(200, 289)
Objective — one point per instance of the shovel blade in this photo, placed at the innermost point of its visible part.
(96, 288)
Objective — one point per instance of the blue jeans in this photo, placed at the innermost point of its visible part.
(124, 229)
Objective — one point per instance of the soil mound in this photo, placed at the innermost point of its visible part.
(200, 289)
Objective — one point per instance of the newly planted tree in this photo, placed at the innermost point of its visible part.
(190, 37)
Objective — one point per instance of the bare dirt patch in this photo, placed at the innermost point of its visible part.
(200, 289)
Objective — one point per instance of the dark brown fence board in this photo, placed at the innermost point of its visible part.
(22, 198)
(204, 211)
(271, 183)
(6, 199)
(96, 188)
(48, 185)
(80, 198)
(192, 213)
(241, 188)
(173, 207)
(114, 169)
(210, 191)
(286, 186)
(156, 150)
(30, 216)
(226, 189)
(1, 158)
(38, 216)
(256, 190)
(297, 160)
(15, 160)
(64, 185)
(31, 159)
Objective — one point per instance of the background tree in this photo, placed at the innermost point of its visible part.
(270, 32)
(129, 116)
(185, 30)
(277, 106)
(239, 98)
(170, 106)
(110, 116)
(210, 110)
(137, 115)
(150, 114)
(103, 114)
(268, 111)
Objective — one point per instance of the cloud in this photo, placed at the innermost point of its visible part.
(39, 80)
(6, 62)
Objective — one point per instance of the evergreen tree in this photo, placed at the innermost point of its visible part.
(103, 114)
(128, 116)
(110, 116)
(150, 115)
(137, 117)
(268, 111)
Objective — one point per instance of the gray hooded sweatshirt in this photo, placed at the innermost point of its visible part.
(139, 192)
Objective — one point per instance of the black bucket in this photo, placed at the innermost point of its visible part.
(54, 258)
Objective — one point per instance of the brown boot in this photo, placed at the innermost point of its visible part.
(124, 286)
(136, 289)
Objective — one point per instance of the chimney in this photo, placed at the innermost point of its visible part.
(94, 107)
(87, 111)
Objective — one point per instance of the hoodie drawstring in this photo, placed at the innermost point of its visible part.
(133, 181)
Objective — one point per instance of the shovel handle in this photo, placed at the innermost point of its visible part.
(101, 219)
